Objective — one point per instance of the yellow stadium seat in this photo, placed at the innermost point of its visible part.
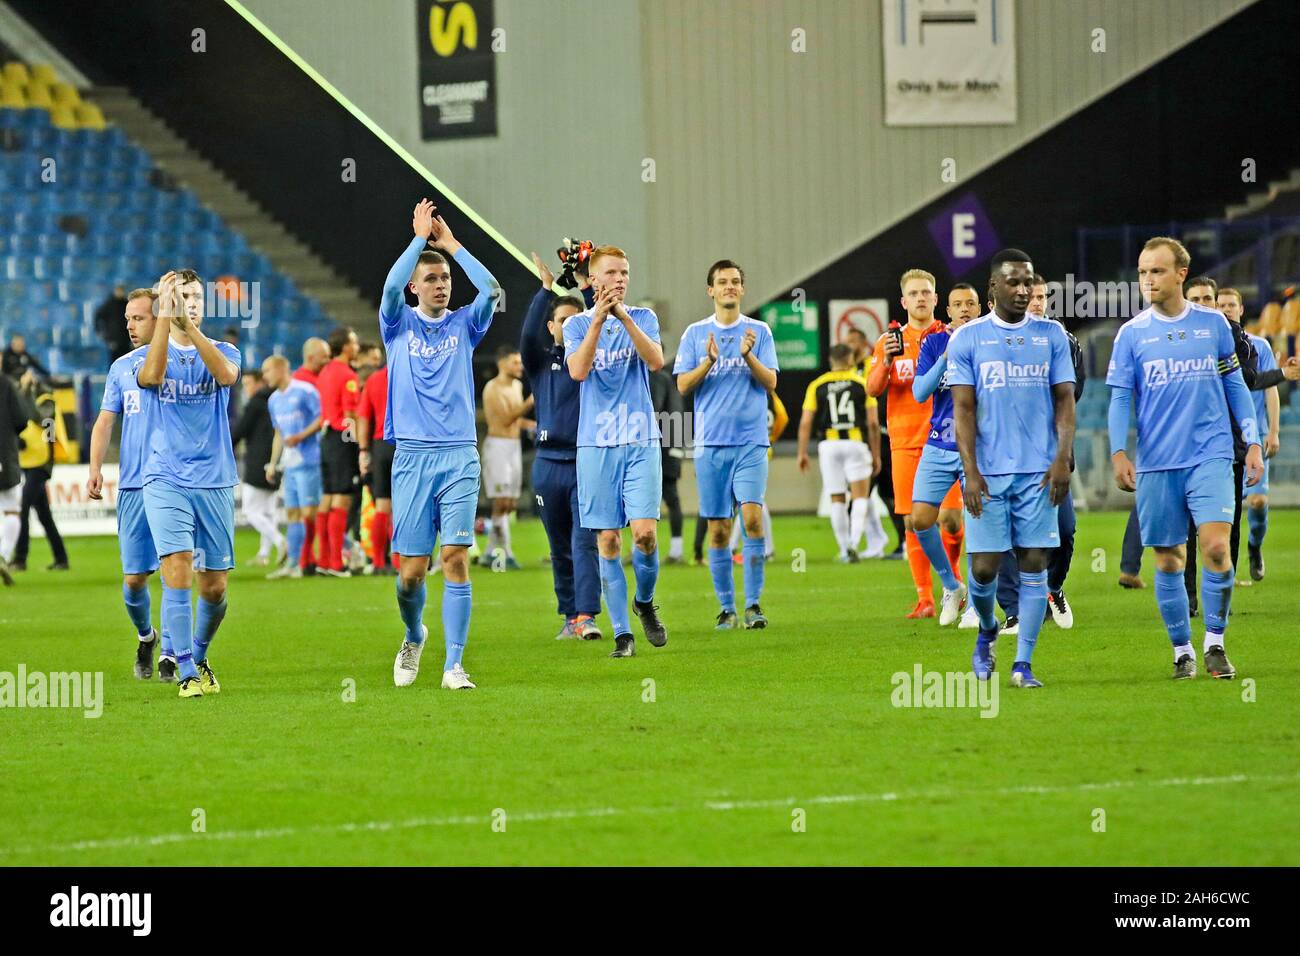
(64, 117)
(11, 96)
(16, 72)
(38, 94)
(1291, 317)
(44, 73)
(1270, 320)
(65, 93)
(90, 116)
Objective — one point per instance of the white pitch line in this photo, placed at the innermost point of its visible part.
(379, 826)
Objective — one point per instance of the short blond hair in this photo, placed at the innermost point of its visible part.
(599, 251)
(911, 274)
(1182, 258)
(141, 293)
(1229, 290)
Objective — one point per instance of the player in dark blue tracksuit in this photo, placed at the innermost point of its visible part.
(574, 562)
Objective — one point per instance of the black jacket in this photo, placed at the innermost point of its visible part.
(16, 410)
(1248, 358)
(255, 430)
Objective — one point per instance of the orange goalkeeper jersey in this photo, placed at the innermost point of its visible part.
(908, 419)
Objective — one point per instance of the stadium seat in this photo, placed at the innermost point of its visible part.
(64, 117)
(1290, 319)
(39, 95)
(89, 116)
(11, 97)
(43, 73)
(16, 72)
(65, 93)
(1270, 320)
(35, 119)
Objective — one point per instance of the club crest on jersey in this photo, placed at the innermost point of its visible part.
(1015, 340)
(1182, 334)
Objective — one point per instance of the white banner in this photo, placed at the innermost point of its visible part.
(869, 316)
(949, 62)
(76, 514)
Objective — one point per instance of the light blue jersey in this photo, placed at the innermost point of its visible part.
(614, 399)
(123, 396)
(292, 410)
(730, 404)
(431, 361)
(1267, 362)
(189, 441)
(1175, 368)
(1013, 369)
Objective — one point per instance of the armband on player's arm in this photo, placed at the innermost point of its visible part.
(1121, 401)
(399, 276)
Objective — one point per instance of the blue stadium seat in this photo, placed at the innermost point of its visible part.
(10, 118)
(35, 119)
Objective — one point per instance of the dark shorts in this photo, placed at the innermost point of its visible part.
(340, 472)
(381, 468)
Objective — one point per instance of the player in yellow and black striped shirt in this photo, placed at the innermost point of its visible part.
(837, 408)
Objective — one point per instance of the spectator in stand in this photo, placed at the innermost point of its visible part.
(109, 325)
(18, 361)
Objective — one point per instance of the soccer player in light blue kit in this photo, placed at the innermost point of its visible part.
(294, 407)
(729, 361)
(123, 396)
(1012, 385)
(431, 420)
(940, 465)
(1179, 360)
(190, 475)
(611, 349)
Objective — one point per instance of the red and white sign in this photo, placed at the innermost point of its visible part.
(869, 316)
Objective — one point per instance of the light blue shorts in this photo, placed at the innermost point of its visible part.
(199, 520)
(434, 493)
(938, 471)
(1259, 489)
(134, 540)
(618, 484)
(302, 486)
(1166, 500)
(1017, 514)
(728, 475)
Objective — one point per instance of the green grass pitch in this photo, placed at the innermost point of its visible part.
(759, 747)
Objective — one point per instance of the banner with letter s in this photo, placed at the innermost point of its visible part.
(458, 78)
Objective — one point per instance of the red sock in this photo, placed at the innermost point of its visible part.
(379, 539)
(309, 535)
(920, 565)
(952, 544)
(322, 539)
(338, 528)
